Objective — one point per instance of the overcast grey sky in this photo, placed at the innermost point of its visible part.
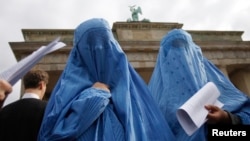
(67, 14)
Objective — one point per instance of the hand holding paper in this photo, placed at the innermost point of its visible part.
(17, 71)
(192, 114)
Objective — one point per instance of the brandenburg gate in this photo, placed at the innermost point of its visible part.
(140, 41)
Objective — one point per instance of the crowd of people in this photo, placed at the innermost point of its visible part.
(100, 96)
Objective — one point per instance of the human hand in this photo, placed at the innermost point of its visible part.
(216, 115)
(5, 90)
(101, 86)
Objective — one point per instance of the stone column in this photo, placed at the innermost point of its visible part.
(224, 70)
(241, 80)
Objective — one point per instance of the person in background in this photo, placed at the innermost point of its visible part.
(5, 90)
(100, 96)
(180, 71)
(21, 119)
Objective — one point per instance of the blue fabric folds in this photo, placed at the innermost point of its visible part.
(77, 111)
(180, 71)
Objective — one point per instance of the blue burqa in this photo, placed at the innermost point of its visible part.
(180, 71)
(77, 111)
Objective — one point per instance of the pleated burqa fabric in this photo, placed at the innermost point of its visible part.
(76, 111)
(180, 71)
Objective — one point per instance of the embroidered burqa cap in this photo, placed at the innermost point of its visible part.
(76, 111)
(180, 71)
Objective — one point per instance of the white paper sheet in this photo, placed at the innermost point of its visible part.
(192, 114)
(18, 70)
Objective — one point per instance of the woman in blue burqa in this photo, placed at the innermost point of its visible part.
(180, 71)
(77, 110)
